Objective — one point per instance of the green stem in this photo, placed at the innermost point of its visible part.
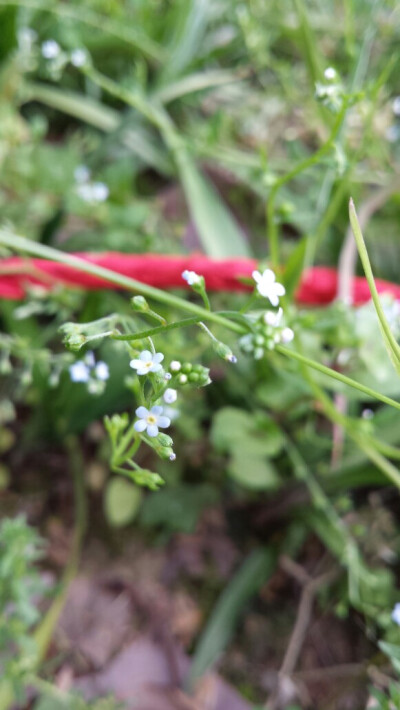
(157, 329)
(392, 344)
(337, 376)
(272, 227)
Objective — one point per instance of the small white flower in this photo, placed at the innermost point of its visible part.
(100, 192)
(92, 192)
(183, 379)
(79, 57)
(273, 319)
(82, 174)
(79, 372)
(175, 366)
(101, 371)
(147, 362)
(50, 49)
(330, 74)
(268, 287)
(151, 420)
(287, 335)
(396, 614)
(170, 395)
(191, 277)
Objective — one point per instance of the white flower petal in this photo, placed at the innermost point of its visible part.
(163, 422)
(145, 356)
(152, 430)
(142, 412)
(158, 357)
(140, 425)
(156, 409)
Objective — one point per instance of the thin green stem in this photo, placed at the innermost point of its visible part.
(157, 330)
(338, 376)
(391, 342)
(272, 225)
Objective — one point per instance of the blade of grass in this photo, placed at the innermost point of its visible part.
(254, 572)
(391, 344)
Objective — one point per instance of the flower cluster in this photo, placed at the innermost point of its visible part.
(87, 370)
(268, 332)
(92, 192)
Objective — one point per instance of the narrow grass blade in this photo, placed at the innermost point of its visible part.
(190, 25)
(391, 344)
(255, 571)
(219, 233)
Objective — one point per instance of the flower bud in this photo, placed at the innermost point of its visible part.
(140, 304)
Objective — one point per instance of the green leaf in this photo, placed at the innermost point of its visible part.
(236, 430)
(294, 268)
(177, 508)
(121, 502)
(253, 472)
(218, 231)
(390, 649)
(254, 572)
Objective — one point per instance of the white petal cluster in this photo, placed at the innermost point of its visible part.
(268, 286)
(87, 370)
(191, 277)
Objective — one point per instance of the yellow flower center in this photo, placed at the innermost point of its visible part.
(151, 419)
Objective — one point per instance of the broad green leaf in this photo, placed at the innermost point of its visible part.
(255, 571)
(253, 472)
(121, 502)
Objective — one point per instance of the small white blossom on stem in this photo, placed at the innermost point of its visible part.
(147, 362)
(87, 370)
(79, 57)
(50, 49)
(79, 372)
(268, 287)
(101, 371)
(396, 614)
(170, 395)
(175, 366)
(151, 420)
(191, 277)
(287, 335)
(273, 319)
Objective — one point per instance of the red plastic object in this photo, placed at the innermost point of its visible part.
(318, 285)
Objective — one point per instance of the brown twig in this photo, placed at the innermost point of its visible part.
(310, 589)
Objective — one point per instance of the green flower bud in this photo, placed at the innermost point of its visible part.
(140, 304)
(223, 351)
(186, 368)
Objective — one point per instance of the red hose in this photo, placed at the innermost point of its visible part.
(318, 285)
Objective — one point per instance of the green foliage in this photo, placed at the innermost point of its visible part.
(20, 584)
